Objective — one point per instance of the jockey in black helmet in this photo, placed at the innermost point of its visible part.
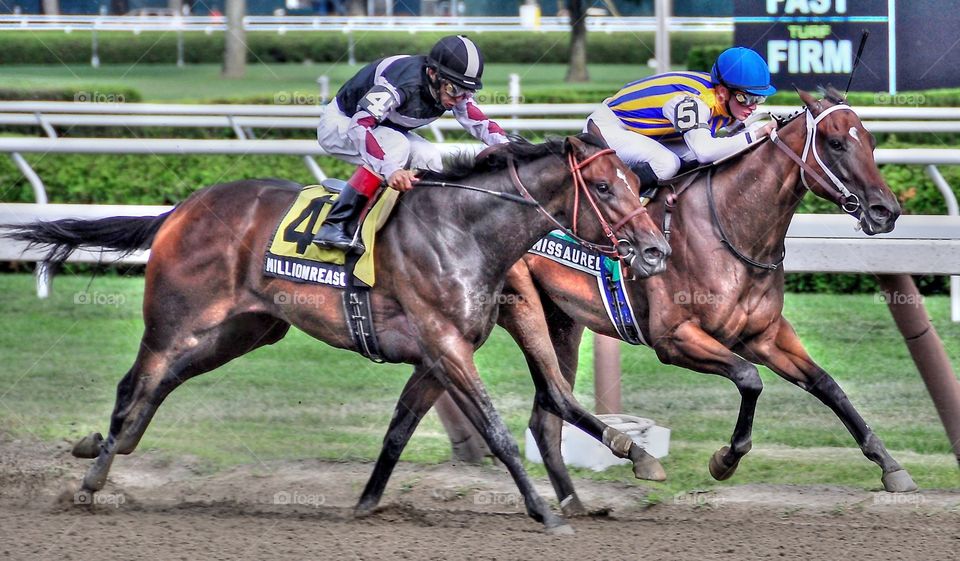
(371, 120)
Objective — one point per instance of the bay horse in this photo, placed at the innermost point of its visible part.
(441, 258)
(718, 307)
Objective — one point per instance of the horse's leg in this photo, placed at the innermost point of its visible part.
(546, 427)
(169, 356)
(691, 347)
(418, 395)
(450, 358)
(524, 316)
(783, 353)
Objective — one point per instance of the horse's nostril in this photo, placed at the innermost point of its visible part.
(880, 213)
(652, 254)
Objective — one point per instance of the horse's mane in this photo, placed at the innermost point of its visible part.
(829, 93)
(496, 157)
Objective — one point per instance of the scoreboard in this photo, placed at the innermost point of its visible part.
(913, 45)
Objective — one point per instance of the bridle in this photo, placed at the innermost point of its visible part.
(575, 167)
(849, 202)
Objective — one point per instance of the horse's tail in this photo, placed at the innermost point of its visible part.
(125, 234)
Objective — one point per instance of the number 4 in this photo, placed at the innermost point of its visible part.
(377, 103)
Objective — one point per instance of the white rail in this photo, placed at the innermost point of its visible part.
(580, 110)
(410, 24)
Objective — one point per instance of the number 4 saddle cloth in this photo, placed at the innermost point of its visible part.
(292, 254)
(563, 249)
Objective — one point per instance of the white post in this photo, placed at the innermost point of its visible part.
(662, 43)
(513, 92)
(351, 50)
(953, 209)
(324, 82)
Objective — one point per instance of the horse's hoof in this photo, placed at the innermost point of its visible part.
(88, 447)
(571, 507)
(898, 482)
(646, 466)
(649, 469)
(560, 530)
(363, 511)
(719, 469)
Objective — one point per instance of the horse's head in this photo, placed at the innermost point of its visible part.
(840, 150)
(612, 207)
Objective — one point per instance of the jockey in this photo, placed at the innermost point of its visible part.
(656, 123)
(370, 121)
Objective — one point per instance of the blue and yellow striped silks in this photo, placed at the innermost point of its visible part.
(639, 105)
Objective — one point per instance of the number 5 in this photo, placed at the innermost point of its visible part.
(686, 115)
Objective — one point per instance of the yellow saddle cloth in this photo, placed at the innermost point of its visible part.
(292, 254)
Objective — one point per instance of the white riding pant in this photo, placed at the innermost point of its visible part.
(634, 148)
(411, 149)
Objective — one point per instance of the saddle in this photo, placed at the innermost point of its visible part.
(292, 255)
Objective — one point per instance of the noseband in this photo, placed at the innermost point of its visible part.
(576, 167)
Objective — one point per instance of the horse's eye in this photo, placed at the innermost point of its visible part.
(835, 144)
(603, 187)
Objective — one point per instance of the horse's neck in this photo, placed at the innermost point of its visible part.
(501, 230)
(757, 197)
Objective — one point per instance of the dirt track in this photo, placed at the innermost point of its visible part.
(301, 510)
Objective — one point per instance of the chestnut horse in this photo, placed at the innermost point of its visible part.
(718, 307)
(441, 258)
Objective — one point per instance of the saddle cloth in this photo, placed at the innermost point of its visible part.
(292, 255)
(559, 247)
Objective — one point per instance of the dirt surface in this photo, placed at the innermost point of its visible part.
(152, 509)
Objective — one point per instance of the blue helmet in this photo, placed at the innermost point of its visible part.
(740, 68)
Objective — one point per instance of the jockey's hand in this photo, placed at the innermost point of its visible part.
(402, 180)
(765, 130)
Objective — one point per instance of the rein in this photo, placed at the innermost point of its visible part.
(505, 196)
(715, 217)
(575, 167)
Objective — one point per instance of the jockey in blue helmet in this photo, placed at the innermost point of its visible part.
(656, 123)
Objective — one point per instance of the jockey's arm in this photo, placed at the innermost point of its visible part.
(477, 124)
(691, 117)
(372, 109)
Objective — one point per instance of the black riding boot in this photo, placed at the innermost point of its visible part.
(341, 223)
(648, 179)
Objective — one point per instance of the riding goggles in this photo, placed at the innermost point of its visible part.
(454, 90)
(746, 99)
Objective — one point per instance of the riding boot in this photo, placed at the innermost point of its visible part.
(340, 226)
(648, 179)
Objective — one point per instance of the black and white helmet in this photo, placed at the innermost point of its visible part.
(458, 60)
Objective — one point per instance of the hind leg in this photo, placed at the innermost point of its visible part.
(160, 368)
(421, 391)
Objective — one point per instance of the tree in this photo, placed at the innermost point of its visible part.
(357, 8)
(50, 7)
(577, 71)
(235, 51)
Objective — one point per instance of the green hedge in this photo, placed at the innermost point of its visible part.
(134, 179)
(101, 93)
(161, 47)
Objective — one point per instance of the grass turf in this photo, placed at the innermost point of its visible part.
(300, 398)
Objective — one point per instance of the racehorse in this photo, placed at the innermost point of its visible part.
(718, 307)
(441, 259)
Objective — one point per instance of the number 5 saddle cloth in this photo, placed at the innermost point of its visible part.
(292, 254)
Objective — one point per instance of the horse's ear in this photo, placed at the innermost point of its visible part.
(576, 146)
(593, 129)
(812, 103)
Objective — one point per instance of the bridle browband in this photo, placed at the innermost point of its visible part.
(576, 167)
